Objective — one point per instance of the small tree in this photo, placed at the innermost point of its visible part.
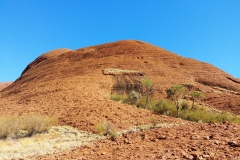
(196, 95)
(175, 93)
(147, 84)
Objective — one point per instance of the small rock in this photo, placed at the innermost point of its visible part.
(207, 138)
(212, 154)
(155, 140)
(233, 144)
(206, 156)
(195, 155)
(161, 137)
(190, 157)
(216, 142)
(143, 136)
(194, 148)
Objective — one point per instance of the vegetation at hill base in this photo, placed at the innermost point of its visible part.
(106, 129)
(175, 93)
(24, 126)
(175, 105)
(147, 85)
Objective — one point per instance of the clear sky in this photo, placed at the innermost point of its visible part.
(206, 30)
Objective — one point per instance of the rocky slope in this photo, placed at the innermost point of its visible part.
(71, 85)
(188, 141)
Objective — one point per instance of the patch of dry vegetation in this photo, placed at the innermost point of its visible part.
(57, 139)
(106, 129)
(24, 126)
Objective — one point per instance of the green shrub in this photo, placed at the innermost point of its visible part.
(208, 117)
(185, 105)
(226, 117)
(195, 115)
(25, 125)
(175, 93)
(140, 103)
(164, 107)
(147, 84)
(196, 95)
(120, 98)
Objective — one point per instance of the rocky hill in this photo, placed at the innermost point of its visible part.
(65, 70)
(75, 85)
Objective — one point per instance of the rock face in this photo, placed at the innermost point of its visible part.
(125, 81)
(126, 84)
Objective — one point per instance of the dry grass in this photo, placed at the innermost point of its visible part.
(57, 139)
(106, 129)
(154, 122)
(24, 126)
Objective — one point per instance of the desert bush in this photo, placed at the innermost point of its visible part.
(225, 117)
(120, 98)
(164, 107)
(147, 85)
(37, 124)
(175, 93)
(154, 122)
(185, 105)
(25, 125)
(100, 129)
(199, 115)
(106, 129)
(152, 103)
(196, 95)
(185, 111)
(140, 103)
(195, 115)
(8, 126)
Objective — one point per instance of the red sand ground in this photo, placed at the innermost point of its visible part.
(71, 86)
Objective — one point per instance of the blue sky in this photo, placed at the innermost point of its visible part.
(206, 30)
